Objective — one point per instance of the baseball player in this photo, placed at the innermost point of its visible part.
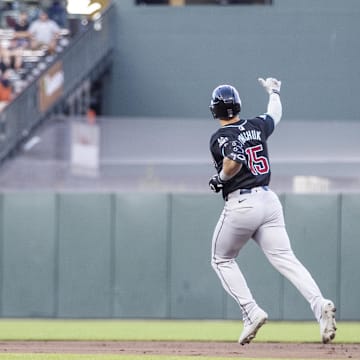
(253, 210)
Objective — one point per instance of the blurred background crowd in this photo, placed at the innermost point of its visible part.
(31, 32)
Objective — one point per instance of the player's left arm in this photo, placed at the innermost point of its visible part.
(274, 108)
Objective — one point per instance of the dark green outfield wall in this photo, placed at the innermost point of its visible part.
(141, 255)
(168, 59)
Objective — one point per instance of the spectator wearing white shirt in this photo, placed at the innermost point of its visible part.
(44, 33)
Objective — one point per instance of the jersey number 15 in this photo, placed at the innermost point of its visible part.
(257, 164)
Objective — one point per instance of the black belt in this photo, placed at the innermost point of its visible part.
(248, 191)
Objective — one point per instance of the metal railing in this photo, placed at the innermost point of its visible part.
(87, 53)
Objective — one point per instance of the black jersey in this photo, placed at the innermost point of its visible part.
(245, 143)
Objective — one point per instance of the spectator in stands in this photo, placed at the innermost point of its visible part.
(6, 92)
(57, 12)
(44, 33)
(20, 41)
(22, 35)
(5, 62)
(10, 58)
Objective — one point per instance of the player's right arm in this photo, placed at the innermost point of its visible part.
(232, 156)
(230, 169)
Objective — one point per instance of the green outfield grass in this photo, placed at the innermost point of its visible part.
(117, 357)
(273, 331)
(11, 329)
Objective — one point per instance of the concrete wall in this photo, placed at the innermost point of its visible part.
(168, 59)
(147, 255)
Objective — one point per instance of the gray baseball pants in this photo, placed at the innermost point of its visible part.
(257, 215)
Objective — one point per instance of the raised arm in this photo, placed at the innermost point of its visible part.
(274, 108)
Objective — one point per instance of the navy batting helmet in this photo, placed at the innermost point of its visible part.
(225, 102)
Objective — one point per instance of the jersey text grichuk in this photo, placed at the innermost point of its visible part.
(249, 135)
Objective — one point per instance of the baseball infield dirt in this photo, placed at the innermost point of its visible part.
(253, 350)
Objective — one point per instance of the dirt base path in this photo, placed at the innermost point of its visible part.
(254, 350)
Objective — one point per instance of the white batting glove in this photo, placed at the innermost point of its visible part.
(271, 85)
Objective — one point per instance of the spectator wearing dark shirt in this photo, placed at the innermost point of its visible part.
(57, 13)
(22, 35)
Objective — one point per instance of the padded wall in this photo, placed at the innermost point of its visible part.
(28, 254)
(141, 252)
(84, 255)
(195, 291)
(147, 255)
(313, 225)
